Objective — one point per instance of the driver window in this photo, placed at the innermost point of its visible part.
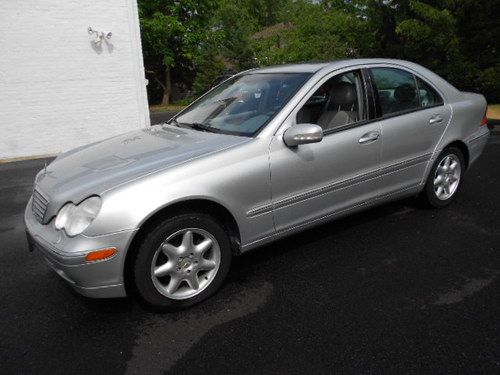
(336, 103)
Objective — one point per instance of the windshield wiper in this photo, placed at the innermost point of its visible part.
(172, 122)
(200, 126)
(193, 125)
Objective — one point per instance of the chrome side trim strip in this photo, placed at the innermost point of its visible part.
(260, 210)
(477, 139)
(339, 185)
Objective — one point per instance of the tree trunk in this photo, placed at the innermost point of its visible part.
(167, 90)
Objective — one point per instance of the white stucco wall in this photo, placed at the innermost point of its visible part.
(57, 90)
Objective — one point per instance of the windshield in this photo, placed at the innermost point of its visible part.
(244, 104)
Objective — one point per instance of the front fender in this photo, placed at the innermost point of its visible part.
(237, 179)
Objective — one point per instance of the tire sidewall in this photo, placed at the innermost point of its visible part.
(145, 253)
(430, 194)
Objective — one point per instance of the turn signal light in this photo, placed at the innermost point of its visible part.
(484, 121)
(100, 254)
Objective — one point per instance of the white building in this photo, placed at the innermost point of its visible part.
(59, 88)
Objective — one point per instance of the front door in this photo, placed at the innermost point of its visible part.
(313, 181)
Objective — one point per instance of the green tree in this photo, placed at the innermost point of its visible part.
(197, 41)
(265, 12)
(236, 23)
(458, 39)
(311, 31)
(381, 17)
(229, 33)
(227, 47)
(429, 35)
(173, 33)
(479, 32)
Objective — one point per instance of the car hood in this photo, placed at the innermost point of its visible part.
(95, 168)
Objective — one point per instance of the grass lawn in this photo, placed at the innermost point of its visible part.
(166, 108)
(494, 111)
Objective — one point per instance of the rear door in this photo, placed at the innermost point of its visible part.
(413, 117)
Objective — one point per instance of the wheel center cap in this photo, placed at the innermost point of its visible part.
(185, 263)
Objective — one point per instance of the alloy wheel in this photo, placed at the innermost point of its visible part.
(185, 263)
(447, 177)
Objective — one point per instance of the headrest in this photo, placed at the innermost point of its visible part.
(342, 93)
(405, 93)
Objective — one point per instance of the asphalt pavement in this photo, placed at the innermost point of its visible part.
(159, 117)
(396, 289)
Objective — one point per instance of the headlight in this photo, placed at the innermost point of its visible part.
(75, 219)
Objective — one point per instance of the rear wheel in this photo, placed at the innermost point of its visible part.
(182, 261)
(444, 178)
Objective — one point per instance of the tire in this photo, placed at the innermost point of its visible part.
(444, 180)
(182, 261)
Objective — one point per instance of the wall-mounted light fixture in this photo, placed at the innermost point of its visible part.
(99, 35)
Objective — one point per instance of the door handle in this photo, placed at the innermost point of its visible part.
(369, 137)
(436, 119)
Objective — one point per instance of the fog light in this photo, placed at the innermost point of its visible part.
(100, 254)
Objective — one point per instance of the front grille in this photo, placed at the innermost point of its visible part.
(39, 205)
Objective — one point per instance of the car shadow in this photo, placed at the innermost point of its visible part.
(323, 231)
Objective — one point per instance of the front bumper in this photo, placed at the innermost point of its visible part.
(66, 256)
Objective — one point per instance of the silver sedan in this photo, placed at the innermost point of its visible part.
(159, 212)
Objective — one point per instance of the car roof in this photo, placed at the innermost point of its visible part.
(292, 68)
(313, 67)
(450, 92)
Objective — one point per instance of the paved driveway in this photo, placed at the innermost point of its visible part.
(393, 290)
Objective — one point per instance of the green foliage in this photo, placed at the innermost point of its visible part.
(200, 40)
(429, 35)
(489, 83)
(227, 47)
(208, 72)
(173, 29)
(235, 24)
(310, 32)
(458, 39)
(185, 102)
(173, 35)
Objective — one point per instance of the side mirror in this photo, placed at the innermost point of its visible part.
(302, 133)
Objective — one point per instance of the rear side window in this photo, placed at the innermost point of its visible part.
(396, 90)
(427, 95)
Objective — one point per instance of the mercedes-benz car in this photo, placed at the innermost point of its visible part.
(160, 212)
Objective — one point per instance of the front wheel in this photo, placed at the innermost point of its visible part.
(182, 261)
(444, 178)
